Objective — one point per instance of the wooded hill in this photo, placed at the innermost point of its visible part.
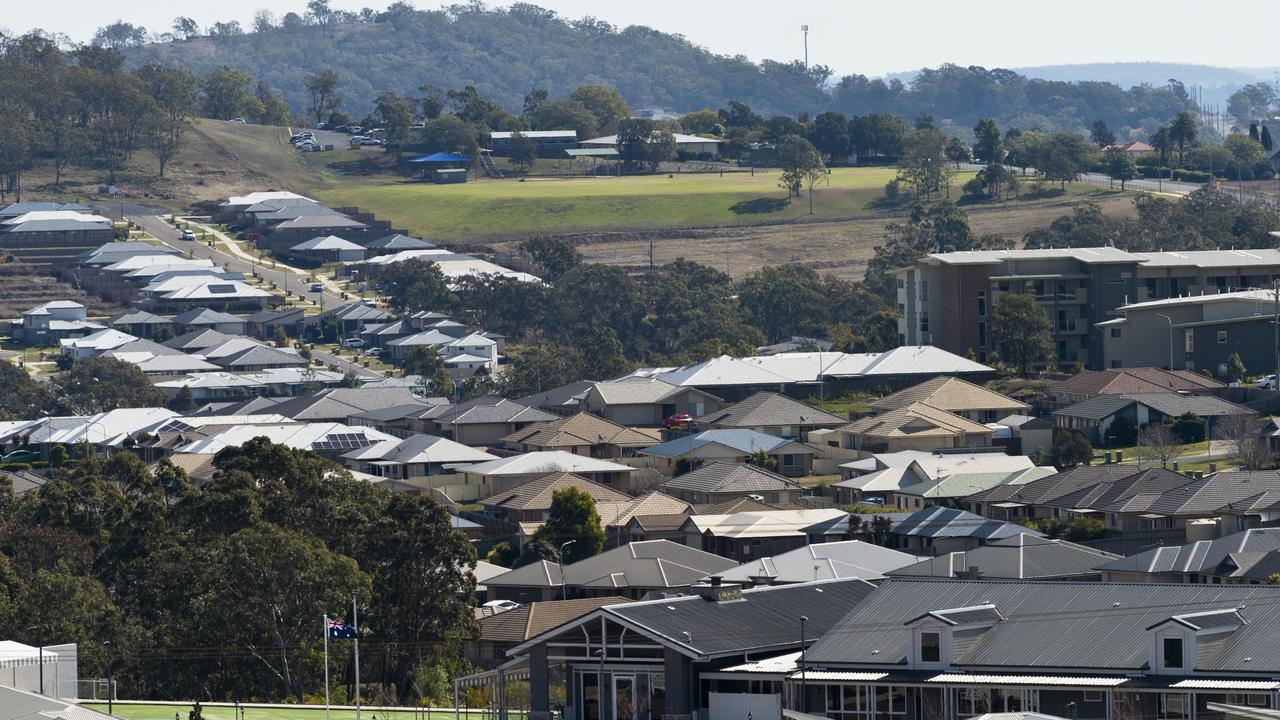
(506, 52)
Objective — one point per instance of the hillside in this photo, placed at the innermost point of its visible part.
(505, 53)
(1214, 83)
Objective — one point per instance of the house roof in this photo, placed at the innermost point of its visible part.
(951, 394)
(544, 462)
(18, 704)
(1174, 404)
(960, 485)
(1253, 555)
(637, 391)
(1133, 380)
(565, 396)
(1047, 489)
(537, 494)
(617, 514)
(722, 371)
(733, 506)
(581, 429)
(326, 243)
(527, 621)
(139, 317)
(915, 420)
(398, 242)
(645, 564)
(342, 403)
(1242, 491)
(767, 409)
(771, 523)
(1097, 626)
(719, 478)
(944, 522)
(488, 410)
(1019, 557)
(745, 442)
(420, 449)
(259, 356)
(823, 561)
(1130, 493)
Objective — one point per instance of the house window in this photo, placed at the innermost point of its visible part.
(1173, 706)
(891, 702)
(973, 702)
(930, 647)
(1172, 653)
(924, 322)
(901, 283)
(1189, 343)
(1222, 337)
(1093, 696)
(982, 303)
(924, 291)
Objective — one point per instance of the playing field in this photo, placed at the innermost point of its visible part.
(496, 208)
(147, 711)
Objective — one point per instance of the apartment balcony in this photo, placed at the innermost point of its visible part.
(1076, 297)
(1073, 326)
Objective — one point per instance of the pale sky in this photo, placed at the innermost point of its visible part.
(872, 37)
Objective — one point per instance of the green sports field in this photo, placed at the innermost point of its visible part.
(496, 208)
(146, 711)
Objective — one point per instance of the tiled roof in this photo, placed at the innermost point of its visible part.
(915, 420)
(1048, 489)
(766, 409)
(537, 494)
(520, 624)
(615, 514)
(1133, 380)
(714, 478)
(740, 440)
(944, 522)
(951, 394)
(581, 429)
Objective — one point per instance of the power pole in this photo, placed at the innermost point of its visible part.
(805, 29)
(1275, 287)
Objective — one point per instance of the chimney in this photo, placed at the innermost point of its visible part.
(716, 590)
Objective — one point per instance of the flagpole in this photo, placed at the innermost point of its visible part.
(325, 631)
(355, 623)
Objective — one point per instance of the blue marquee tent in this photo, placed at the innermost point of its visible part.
(440, 157)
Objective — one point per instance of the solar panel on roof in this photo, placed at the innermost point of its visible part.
(221, 289)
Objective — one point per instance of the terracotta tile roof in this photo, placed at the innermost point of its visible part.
(614, 514)
(1127, 381)
(915, 420)
(581, 429)
(536, 494)
(951, 394)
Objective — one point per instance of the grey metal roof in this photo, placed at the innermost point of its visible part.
(766, 409)
(399, 242)
(341, 403)
(730, 478)
(823, 561)
(651, 564)
(1053, 625)
(943, 522)
(1211, 494)
(565, 396)
(205, 316)
(18, 704)
(261, 355)
(1046, 489)
(764, 619)
(1174, 404)
(1232, 556)
(1097, 407)
(1122, 494)
(1021, 557)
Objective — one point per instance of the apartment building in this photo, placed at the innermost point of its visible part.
(948, 299)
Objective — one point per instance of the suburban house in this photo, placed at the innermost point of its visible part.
(632, 570)
(490, 478)
(839, 560)
(708, 148)
(327, 249)
(883, 474)
(952, 489)
(792, 458)
(936, 530)
(501, 630)
(143, 324)
(917, 426)
(954, 395)
(617, 517)
(1045, 497)
(51, 322)
(480, 421)
(416, 456)
(772, 414)
(1095, 416)
(1129, 381)
(716, 482)
(1019, 557)
(1250, 557)
(582, 434)
(645, 401)
(745, 536)
(948, 299)
(531, 501)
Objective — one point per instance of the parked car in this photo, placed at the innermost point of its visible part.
(354, 342)
(322, 126)
(355, 129)
(373, 352)
(238, 120)
(236, 228)
(502, 604)
(368, 141)
(317, 287)
(188, 235)
(342, 128)
(1266, 383)
(679, 421)
(308, 147)
(357, 139)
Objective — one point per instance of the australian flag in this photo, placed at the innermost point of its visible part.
(340, 631)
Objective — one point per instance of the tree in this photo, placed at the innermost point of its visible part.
(1026, 149)
(427, 363)
(801, 165)
(99, 384)
(22, 395)
(174, 93)
(185, 28)
(523, 151)
(225, 91)
(923, 164)
(573, 517)
(322, 87)
(1251, 101)
(555, 256)
(1248, 445)
(987, 145)
(603, 102)
(1189, 427)
(1101, 135)
(183, 402)
(1022, 331)
(1184, 132)
(120, 34)
(450, 134)
(1120, 166)
(564, 115)
(263, 20)
(1265, 139)
(1083, 528)
(58, 456)
(534, 550)
(470, 106)
(957, 152)
(831, 136)
(413, 285)
(660, 148)
(396, 113)
(1236, 371)
(634, 135)
(780, 299)
(1065, 157)
(1163, 143)
(1157, 442)
(1070, 449)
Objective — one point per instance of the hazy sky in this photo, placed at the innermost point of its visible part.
(870, 37)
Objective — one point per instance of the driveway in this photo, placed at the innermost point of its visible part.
(343, 365)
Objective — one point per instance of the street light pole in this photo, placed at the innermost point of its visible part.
(111, 693)
(804, 690)
(1170, 321)
(560, 560)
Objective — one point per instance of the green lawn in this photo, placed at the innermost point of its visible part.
(490, 208)
(140, 711)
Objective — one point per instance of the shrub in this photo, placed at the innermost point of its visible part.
(1189, 428)
(1084, 528)
(1191, 176)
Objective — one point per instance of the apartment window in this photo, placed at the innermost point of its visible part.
(982, 334)
(1189, 341)
(1222, 337)
(1115, 332)
(924, 291)
(924, 322)
(930, 647)
(982, 303)
(891, 702)
(902, 310)
(1093, 696)
(901, 283)
(1172, 652)
(973, 702)
(1173, 706)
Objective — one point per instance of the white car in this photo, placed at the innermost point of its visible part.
(353, 343)
(373, 352)
(1266, 383)
(502, 604)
